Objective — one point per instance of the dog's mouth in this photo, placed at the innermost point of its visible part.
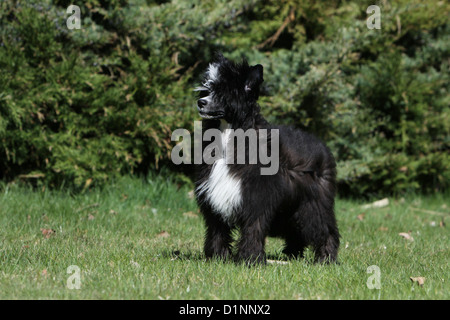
(212, 115)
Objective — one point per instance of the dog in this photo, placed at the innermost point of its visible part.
(296, 203)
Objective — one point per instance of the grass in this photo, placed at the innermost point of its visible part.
(140, 239)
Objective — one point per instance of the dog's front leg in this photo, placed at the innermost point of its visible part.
(218, 237)
(251, 243)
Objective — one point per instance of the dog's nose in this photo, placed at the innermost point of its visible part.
(201, 103)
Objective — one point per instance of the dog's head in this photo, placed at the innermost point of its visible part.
(229, 90)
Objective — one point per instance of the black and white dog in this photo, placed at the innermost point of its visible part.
(296, 203)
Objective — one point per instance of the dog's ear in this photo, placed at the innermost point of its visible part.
(219, 57)
(254, 79)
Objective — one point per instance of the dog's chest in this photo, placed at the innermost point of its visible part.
(221, 188)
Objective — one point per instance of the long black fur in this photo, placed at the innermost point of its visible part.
(296, 204)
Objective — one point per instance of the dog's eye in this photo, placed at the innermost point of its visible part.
(203, 93)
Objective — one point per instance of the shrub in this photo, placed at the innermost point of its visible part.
(81, 106)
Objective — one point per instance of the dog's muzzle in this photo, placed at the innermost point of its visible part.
(205, 113)
(201, 103)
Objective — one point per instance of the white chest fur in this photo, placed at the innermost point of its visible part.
(221, 189)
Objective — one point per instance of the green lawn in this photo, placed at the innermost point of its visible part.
(143, 240)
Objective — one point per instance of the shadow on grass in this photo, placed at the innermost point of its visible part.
(183, 256)
(177, 255)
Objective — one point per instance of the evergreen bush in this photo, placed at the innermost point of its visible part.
(81, 106)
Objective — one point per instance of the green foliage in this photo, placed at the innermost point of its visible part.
(82, 106)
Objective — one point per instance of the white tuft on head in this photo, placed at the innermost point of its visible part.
(213, 72)
(212, 75)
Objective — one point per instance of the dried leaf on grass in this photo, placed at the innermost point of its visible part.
(377, 204)
(276, 262)
(419, 280)
(47, 233)
(163, 234)
(190, 214)
(135, 264)
(406, 235)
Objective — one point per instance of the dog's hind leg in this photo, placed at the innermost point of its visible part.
(319, 229)
(295, 244)
(326, 252)
(326, 243)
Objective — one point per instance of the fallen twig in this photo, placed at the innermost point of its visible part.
(88, 207)
(442, 214)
